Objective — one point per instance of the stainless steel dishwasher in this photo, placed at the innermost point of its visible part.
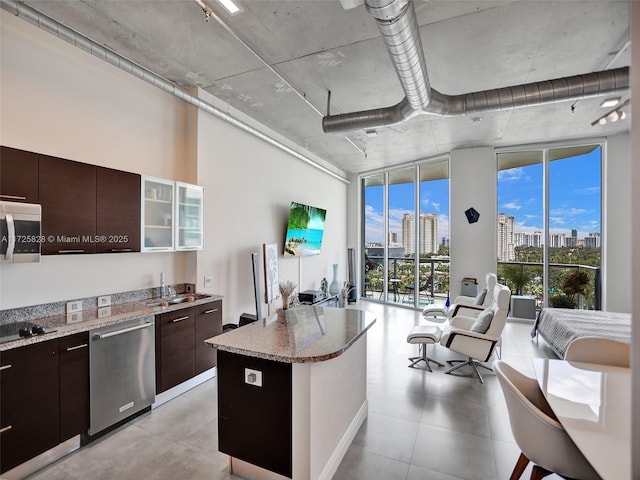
(122, 371)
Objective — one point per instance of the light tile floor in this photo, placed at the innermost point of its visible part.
(421, 425)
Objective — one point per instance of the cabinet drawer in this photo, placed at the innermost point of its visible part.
(208, 324)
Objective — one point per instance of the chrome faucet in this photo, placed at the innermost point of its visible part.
(163, 292)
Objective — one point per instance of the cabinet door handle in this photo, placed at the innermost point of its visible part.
(115, 250)
(79, 250)
(5, 367)
(207, 312)
(6, 429)
(70, 349)
(11, 230)
(100, 336)
(12, 197)
(176, 320)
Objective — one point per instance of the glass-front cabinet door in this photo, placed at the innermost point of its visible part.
(157, 214)
(189, 214)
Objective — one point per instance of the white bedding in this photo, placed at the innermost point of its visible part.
(560, 326)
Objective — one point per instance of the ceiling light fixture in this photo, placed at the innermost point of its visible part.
(612, 115)
(230, 6)
(610, 102)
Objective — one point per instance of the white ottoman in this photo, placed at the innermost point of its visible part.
(424, 335)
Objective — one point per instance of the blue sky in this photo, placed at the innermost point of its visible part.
(574, 195)
(574, 201)
(434, 198)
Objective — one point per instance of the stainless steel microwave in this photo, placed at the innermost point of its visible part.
(20, 232)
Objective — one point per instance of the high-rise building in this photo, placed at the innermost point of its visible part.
(505, 238)
(393, 238)
(428, 233)
(409, 233)
(557, 240)
(428, 241)
(592, 240)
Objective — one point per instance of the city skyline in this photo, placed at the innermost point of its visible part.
(574, 199)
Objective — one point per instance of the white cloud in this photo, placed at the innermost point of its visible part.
(511, 206)
(512, 175)
(567, 212)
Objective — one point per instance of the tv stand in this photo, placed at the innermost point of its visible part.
(330, 301)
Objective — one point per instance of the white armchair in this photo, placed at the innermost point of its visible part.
(483, 299)
(477, 337)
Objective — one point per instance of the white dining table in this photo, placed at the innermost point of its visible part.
(593, 404)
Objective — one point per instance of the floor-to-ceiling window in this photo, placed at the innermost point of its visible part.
(405, 233)
(549, 224)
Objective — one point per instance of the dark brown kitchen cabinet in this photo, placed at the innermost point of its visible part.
(68, 196)
(118, 211)
(175, 355)
(29, 402)
(74, 385)
(18, 175)
(208, 324)
(180, 350)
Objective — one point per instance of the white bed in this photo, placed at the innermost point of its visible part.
(560, 326)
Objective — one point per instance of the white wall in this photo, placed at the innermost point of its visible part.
(473, 184)
(634, 206)
(57, 99)
(617, 226)
(249, 188)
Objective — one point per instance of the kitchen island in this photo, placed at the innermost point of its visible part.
(292, 391)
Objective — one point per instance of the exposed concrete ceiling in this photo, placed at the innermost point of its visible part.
(317, 46)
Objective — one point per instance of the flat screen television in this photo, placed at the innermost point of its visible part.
(304, 230)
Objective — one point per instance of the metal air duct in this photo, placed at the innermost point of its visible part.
(398, 25)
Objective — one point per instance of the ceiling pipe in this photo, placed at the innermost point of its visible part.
(63, 32)
(399, 28)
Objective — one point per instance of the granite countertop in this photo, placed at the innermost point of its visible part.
(298, 335)
(90, 318)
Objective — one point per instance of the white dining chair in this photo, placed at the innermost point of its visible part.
(538, 433)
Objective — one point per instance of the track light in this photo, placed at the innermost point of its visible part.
(612, 115)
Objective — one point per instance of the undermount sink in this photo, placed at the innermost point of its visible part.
(175, 300)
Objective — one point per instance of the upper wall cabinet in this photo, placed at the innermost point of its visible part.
(68, 197)
(157, 214)
(118, 211)
(172, 215)
(189, 215)
(18, 175)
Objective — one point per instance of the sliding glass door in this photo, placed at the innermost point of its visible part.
(405, 231)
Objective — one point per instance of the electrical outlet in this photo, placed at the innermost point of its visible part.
(208, 281)
(253, 377)
(190, 287)
(74, 317)
(104, 301)
(74, 306)
(104, 312)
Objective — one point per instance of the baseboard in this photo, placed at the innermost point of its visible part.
(529, 321)
(331, 467)
(178, 390)
(31, 466)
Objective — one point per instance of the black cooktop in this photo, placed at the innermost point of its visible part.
(15, 331)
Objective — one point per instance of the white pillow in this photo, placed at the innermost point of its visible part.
(480, 297)
(482, 321)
